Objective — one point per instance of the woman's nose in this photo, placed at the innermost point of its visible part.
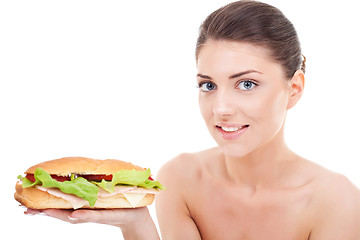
(223, 105)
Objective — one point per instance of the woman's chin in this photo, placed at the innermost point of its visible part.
(234, 151)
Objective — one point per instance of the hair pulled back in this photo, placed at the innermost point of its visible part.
(256, 23)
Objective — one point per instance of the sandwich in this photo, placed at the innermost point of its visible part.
(77, 182)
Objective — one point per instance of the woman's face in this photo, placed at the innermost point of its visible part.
(243, 95)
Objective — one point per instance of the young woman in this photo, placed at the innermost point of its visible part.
(252, 186)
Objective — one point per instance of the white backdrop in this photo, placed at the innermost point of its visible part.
(116, 79)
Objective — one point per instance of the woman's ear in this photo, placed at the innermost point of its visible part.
(296, 88)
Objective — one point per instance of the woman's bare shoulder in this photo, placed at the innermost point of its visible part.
(184, 161)
(329, 183)
(335, 206)
(187, 165)
(179, 176)
(327, 188)
(332, 191)
(337, 188)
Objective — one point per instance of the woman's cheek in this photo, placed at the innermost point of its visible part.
(271, 113)
(206, 108)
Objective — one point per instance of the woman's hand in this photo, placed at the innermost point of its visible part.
(128, 220)
(115, 217)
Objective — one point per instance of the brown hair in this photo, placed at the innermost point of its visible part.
(256, 23)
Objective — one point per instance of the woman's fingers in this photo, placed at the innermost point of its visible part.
(62, 214)
(30, 211)
(113, 217)
(55, 213)
(116, 217)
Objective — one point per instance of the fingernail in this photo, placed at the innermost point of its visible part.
(42, 213)
(72, 218)
(29, 214)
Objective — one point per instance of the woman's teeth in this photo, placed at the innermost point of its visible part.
(233, 129)
(230, 129)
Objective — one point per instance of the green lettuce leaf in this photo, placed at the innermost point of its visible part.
(151, 184)
(78, 186)
(89, 190)
(130, 177)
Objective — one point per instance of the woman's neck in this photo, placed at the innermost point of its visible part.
(263, 167)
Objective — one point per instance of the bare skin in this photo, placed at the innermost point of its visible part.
(252, 186)
(209, 204)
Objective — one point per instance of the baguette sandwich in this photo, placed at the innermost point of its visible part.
(77, 182)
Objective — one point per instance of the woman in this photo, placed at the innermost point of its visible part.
(252, 186)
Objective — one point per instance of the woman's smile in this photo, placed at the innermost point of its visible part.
(231, 131)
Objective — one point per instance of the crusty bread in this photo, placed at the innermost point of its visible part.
(81, 165)
(36, 199)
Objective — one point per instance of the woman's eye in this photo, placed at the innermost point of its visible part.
(207, 86)
(247, 85)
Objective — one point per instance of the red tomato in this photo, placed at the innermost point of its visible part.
(97, 177)
(60, 178)
(89, 177)
(56, 177)
(100, 177)
(30, 177)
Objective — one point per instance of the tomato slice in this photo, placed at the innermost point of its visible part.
(30, 177)
(97, 177)
(56, 177)
(89, 177)
(100, 177)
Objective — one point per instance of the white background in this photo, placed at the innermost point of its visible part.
(116, 79)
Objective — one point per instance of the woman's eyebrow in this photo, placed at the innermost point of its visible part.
(236, 75)
(203, 76)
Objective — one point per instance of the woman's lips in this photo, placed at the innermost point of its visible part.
(231, 132)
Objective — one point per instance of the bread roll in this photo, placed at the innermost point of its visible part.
(32, 197)
(36, 199)
(81, 165)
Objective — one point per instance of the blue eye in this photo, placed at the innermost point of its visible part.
(207, 86)
(247, 85)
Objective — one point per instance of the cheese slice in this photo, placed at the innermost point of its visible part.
(134, 198)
